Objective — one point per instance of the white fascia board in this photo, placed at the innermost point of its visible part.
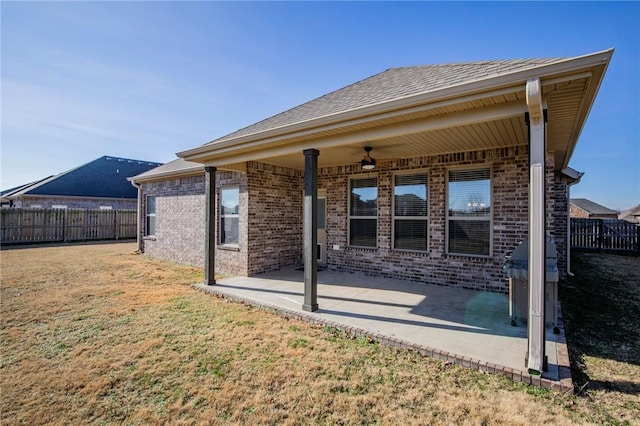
(424, 100)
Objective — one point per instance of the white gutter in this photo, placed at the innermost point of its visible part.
(537, 234)
(399, 106)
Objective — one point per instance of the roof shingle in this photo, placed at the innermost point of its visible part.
(105, 177)
(591, 207)
(389, 85)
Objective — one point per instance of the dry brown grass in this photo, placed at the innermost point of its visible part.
(97, 334)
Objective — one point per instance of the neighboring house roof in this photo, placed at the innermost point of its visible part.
(177, 167)
(631, 215)
(422, 110)
(8, 192)
(105, 177)
(591, 207)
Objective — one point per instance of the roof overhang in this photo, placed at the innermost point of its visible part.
(478, 115)
(572, 176)
(186, 172)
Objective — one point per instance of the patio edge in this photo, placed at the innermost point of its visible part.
(563, 385)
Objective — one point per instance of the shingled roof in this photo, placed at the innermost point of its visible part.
(591, 207)
(389, 85)
(105, 177)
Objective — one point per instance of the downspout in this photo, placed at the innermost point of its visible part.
(569, 184)
(140, 247)
(569, 273)
(537, 234)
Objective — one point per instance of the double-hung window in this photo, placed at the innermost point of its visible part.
(229, 215)
(410, 212)
(150, 228)
(363, 212)
(469, 212)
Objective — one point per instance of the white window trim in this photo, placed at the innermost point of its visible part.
(230, 216)
(147, 215)
(349, 217)
(482, 219)
(427, 218)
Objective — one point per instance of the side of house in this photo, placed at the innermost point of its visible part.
(53, 202)
(259, 217)
(631, 215)
(586, 209)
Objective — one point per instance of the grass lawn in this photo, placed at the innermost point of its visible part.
(96, 334)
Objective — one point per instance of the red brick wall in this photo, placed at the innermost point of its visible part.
(78, 203)
(510, 221)
(271, 220)
(578, 212)
(180, 222)
(274, 217)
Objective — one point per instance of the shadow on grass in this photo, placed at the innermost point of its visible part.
(601, 310)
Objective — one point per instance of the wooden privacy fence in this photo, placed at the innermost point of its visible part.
(59, 225)
(605, 235)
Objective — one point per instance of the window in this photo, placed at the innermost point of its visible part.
(150, 228)
(106, 207)
(229, 215)
(363, 212)
(410, 212)
(59, 206)
(469, 212)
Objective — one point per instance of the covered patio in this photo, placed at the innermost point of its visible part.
(465, 327)
(468, 160)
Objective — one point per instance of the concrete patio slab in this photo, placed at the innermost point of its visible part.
(467, 327)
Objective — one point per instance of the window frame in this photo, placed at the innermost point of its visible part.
(488, 218)
(222, 216)
(148, 215)
(350, 217)
(426, 218)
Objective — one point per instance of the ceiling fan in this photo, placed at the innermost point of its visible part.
(368, 163)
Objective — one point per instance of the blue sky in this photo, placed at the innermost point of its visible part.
(144, 80)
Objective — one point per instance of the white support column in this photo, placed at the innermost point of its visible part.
(537, 234)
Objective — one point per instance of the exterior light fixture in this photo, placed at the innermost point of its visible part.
(367, 162)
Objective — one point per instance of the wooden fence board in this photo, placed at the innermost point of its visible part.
(53, 225)
(605, 235)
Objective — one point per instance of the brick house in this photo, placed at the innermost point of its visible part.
(631, 215)
(99, 184)
(587, 209)
(430, 173)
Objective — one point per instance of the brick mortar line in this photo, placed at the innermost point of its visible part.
(565, 384)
